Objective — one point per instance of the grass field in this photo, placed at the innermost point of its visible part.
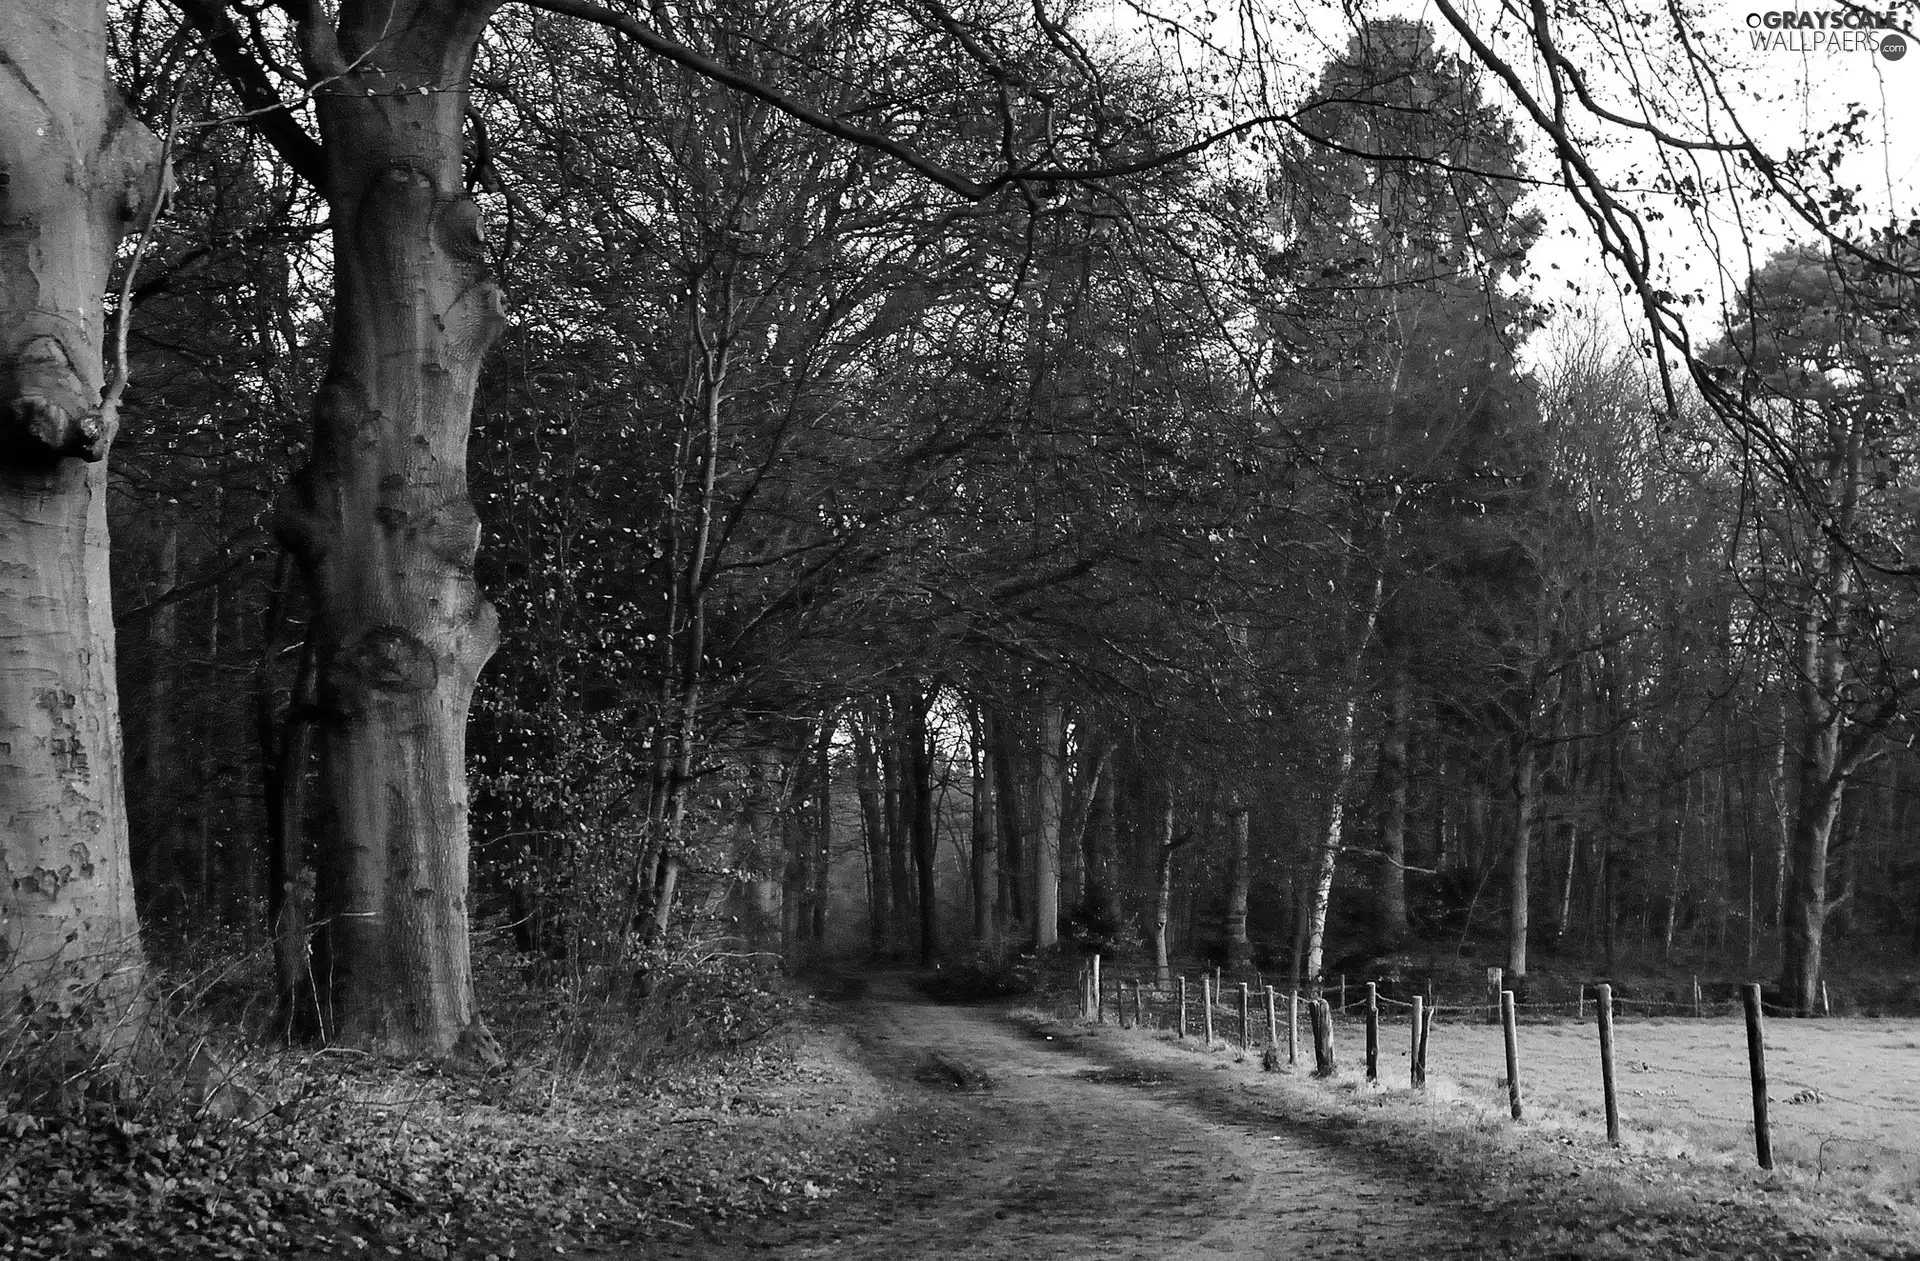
(1844, 1093)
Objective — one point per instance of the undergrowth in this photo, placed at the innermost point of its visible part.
(199, 1136)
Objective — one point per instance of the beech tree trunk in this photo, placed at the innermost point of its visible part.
(1163, 892)
(1239, 949)
(1049, 789)
(385, 533)
(76, 171)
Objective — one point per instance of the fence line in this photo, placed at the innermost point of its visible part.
(1230, 1017)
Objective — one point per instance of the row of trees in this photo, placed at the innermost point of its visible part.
(1201, 488)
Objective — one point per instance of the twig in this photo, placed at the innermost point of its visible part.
(123, 312)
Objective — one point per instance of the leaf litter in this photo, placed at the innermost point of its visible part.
(353, 1157)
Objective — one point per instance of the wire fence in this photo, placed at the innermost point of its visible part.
(1828, 1095)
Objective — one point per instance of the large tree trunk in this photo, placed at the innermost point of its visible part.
(385, 533)
(1392, 904)
(77, 171)
(1049, 789)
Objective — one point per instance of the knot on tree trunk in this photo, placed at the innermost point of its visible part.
(45, 412)
(384, 660)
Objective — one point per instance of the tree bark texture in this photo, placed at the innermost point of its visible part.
(1239, 949)
(385, 533)
(1525, 806)
(1049, 791)
(76, 172)
(1163, 892)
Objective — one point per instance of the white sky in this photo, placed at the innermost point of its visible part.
(1780, 96)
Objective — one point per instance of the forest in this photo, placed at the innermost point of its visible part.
(625, 492)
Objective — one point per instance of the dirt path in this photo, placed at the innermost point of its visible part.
(1000, 1142)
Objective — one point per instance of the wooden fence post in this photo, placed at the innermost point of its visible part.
(1293, 1027)
(1496, 986)
(1343, 993)
(1603, 1012)
(1416, 1070)
(1099, 1007)
(1246, 1022)
(1426, 1027)
(1757, 1065)
(1696, 996)
(1508, 1024)
(1120, 1001)
(1323, 1065)
(1139, 1006)
(1373, 1031)
(1273, 1022)
(1183, 1008)
(1206, 1007)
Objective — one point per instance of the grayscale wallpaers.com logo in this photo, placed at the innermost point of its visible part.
(1826, 31)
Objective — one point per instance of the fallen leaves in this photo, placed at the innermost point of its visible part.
(374, 1160)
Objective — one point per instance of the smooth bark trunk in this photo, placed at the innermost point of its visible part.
(1524, 809)
(385, 533)
(1239, 950)
(78, 173)
(1163, 892)
(1049, 788)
